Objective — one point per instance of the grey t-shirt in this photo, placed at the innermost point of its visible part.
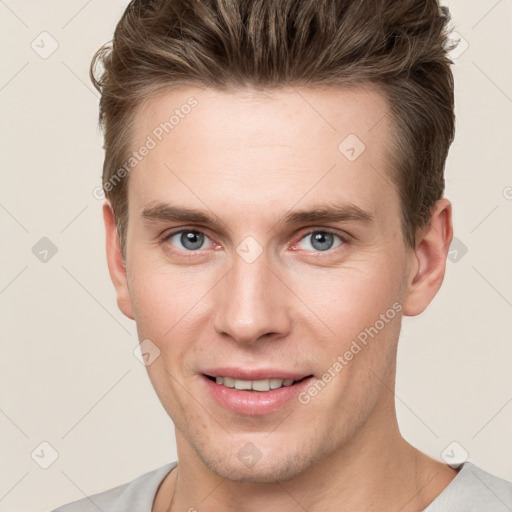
(472, 490)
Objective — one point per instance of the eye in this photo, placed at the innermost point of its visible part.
(320, 241)
(189, 239)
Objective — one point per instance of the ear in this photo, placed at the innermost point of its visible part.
(429, 259)
(115, 260)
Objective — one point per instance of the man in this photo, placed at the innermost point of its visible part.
(274, 183)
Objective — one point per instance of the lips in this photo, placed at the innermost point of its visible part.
(254, 392)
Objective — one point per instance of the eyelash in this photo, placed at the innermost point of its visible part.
(343, 239)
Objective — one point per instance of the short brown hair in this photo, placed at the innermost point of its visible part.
(398, 45)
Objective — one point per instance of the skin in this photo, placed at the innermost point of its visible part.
(250, 157)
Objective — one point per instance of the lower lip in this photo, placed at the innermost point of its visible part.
(254, 403)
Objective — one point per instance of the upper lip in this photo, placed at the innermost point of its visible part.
(254, 373)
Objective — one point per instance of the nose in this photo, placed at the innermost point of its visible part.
(252, 303)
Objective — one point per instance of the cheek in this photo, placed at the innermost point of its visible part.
(161, 297)
(154, 315)
(169, 310)
(351, 298)
(361, 309)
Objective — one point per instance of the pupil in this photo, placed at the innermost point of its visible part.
(322, 241)
(192, 240)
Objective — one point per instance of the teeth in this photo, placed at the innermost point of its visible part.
(255, 385)
(261, 385)
(242, 384)
(229, 382)
(275, 383)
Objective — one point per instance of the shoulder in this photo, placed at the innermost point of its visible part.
(474, 490)
(136, 496)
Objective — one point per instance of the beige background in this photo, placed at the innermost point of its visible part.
(69, 375)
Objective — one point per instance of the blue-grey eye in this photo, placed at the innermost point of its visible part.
(189, 240)
(321, 241)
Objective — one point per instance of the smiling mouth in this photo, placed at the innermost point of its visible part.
(262, 385)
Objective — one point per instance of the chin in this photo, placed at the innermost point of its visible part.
(273, 465)
(261, 473)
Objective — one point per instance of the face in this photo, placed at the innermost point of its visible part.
(264, 247)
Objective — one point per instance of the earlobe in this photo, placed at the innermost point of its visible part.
(429, 265)
(115, 261)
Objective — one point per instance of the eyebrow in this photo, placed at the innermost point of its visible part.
(321, 214)
(328, 214)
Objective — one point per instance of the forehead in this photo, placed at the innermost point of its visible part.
(276, 145)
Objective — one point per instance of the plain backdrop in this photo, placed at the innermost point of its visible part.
(69, 376)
